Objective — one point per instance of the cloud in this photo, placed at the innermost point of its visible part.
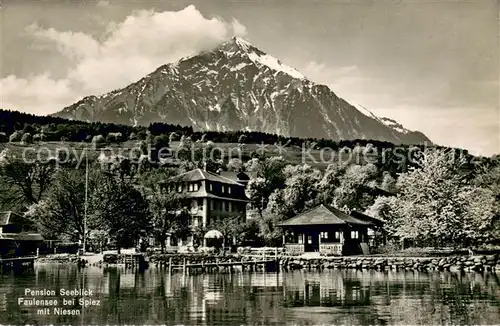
(103, 4)
(131, 49)
(238, 28)
(48, 94)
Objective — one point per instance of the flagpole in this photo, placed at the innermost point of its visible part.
(86, 198)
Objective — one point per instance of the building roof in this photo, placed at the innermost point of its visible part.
(21, 236)
(234, 175)
(199, 174)
(204, 194)
(324, 215)
(364, 217)
(6, 217)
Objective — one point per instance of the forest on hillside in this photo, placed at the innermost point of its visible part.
(14, 124)
(432, 201)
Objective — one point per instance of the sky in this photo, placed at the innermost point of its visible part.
(431, 65)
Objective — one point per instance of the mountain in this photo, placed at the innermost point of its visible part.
(236, 86)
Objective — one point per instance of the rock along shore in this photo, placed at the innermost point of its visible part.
(476, 263)
(489, 263)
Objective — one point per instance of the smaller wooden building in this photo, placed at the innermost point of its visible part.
(329, 231)
(17, 236)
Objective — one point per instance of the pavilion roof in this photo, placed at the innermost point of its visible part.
(325, 215)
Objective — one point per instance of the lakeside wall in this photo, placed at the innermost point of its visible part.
(452, 263)
(479, 263)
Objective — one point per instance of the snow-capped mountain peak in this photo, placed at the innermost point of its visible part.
(244, 45)
(236, 86)
(241, 47)
(363, 110)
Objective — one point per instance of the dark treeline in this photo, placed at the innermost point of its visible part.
(50, 128)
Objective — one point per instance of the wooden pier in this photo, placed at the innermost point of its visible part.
(17, 263)
(132, 260)
(258, 263)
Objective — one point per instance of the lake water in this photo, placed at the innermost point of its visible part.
(303, 298)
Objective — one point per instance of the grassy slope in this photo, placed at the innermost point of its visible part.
(293, 155)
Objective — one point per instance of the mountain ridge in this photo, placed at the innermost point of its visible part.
(236, 86)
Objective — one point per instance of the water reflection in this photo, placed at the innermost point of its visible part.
(346, 297)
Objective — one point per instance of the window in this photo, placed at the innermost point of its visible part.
(337, 235)
(229, 190)
(323, 235)
(309, 239)
(301, 239)
(211, 187)
(224, 207)
(230, 208)
(196, 220)
(354, 234)
(223, 189)
(179, 188)
(212, 204)
(191, 187)
(196, 187)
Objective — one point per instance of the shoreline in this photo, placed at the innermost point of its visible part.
(475, 263)
(479, 263)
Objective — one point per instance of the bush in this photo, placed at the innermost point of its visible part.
(29, 129)
(99, 139)
(114, 137)
(141, 135)
(173, 137)
(242, 139)
(39, 137)
(27, 138)
(16, 136)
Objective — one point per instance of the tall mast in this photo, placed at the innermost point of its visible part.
(86, 198)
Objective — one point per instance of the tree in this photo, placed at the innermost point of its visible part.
(62, 212)
(169, 215)
(122, 166)
(30, 129)
(330, 181)
(300, 190)
(256, 191)
(114, 137)
(167, 208)
(160, 146)
(230, 227)
(242, 139)
(435, 205)
(27, 138)
(234, 164)
(268, 174)
(276, 211)
(3, 137)
(26, 182)
(98, 140)
(352, 192)
(15, 136)
(172, 137)
(488, 177)
(388, 183)
(123, 210)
